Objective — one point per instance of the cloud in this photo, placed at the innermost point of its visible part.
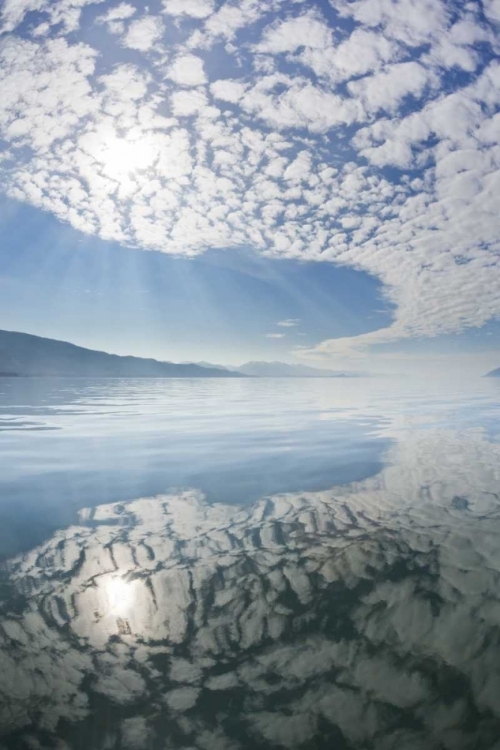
(275, 335)
(289, 322)
(410, 22)
(185, 103)
(192, 8)
(143, 33)
(115, 17)
(119, 12)
(225, 615)
(362, 52)
(387, 89)
(307, 30)
(225, 23)
(64, 12)
(187, 70)
(285, 102)
(371, 143)
(228, 91)
(492, 10)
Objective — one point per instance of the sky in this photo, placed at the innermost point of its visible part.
(309, 181)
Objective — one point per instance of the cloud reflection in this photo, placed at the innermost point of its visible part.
(365, 616)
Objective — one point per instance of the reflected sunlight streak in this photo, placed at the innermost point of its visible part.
(119, 595)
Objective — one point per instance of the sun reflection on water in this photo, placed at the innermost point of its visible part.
(119, 595)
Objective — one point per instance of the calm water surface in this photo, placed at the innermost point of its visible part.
(226, 565)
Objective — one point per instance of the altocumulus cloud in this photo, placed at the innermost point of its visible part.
(367, 137)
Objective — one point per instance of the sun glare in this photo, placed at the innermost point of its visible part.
(123, 157)
(119, 595)
(120, 158)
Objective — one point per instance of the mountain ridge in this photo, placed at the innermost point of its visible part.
(276, 369)
(24, 354)
(285, 370)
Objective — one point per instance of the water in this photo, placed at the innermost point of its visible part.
(249, 564)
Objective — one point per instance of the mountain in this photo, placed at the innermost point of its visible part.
(227, 368)
(493, 373)
(283, 370)
(24, 354)
(280, 370)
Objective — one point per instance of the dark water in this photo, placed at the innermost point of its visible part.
(326, 573)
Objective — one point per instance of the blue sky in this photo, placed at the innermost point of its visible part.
(231, 306)
(332, 165)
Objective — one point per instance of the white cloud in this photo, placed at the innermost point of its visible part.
(283, 102)
(119, 12)
(300, 168)
(412, 22)
(192, 8)
(115, 17)
(353, 145)
(64, 12)
(387, 89)
(362, 52)
(289, 322)
(187, 70)
(143, 33)
(227, 90)
(228, 20)
(286, 36)
(51, 66)
(492, 10)
(13, 12)
(187, 103)
(275, 335)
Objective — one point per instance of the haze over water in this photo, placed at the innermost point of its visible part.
(249, 563)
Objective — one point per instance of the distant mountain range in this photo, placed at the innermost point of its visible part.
(22, 354)
(493, 373)
(281, 370)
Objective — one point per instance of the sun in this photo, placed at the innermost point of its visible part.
(120, 157)
(126, 156)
